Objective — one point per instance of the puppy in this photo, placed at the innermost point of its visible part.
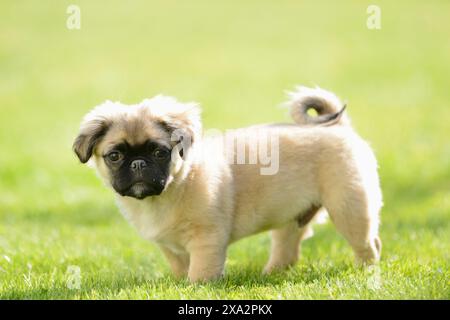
(195, 195)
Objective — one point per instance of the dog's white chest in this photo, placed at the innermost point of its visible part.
(150, 221)
(148, 226)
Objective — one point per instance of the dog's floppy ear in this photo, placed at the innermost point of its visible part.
(181, 120)
(87, 139)
(184, 128)
(94, 126)
(182, 138)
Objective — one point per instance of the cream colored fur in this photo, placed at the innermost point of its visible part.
(209, 203)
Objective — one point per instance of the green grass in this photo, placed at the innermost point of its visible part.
(235, 58)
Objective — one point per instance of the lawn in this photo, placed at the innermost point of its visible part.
(236, 58)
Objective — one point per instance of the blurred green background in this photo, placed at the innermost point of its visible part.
(236, 58)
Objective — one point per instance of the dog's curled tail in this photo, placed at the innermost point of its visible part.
(329, 108)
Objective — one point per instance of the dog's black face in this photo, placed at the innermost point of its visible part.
(139, 171)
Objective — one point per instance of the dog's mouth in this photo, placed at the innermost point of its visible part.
(141, 190)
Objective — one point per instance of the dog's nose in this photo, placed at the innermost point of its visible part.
(137, 165)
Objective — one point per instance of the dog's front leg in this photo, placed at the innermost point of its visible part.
(179, 263)
(207, 259)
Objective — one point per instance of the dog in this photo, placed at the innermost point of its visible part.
(181, 191)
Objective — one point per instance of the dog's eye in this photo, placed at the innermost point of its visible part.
(161, 154)
(114, 156)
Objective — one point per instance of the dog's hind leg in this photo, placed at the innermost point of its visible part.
(356, 218)
(285, 246)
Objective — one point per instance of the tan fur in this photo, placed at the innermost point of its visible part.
(208, 204)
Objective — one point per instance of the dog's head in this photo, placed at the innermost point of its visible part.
(138, 149)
